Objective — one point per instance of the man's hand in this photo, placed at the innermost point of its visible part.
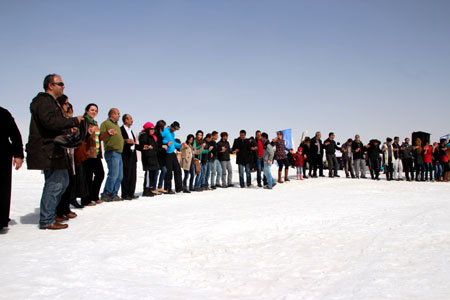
(79, 118)
(210, 148)
(236, 151)
(17, 162)
(74, 129)
(146, 147)
(164, 147)
(223, 149)
(112, 131)
(130, 141)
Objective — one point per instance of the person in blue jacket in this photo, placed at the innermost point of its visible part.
(172, 164)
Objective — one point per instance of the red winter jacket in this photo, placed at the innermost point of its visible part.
(299, 159)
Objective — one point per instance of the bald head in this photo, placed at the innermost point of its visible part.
(114, 114)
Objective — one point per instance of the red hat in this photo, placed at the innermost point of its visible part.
(300, 149)
(148, 125)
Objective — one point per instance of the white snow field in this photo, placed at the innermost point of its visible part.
(315, 239)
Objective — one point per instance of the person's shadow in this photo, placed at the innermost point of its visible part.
(31, 218)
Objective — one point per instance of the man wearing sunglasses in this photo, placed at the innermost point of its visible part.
(47, 122)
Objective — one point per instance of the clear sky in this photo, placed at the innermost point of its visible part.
(377, 68)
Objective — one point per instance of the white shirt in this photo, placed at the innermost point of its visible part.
(130, 135)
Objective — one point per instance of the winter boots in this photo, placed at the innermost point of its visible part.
(286, 173)
(300, 177)
(279, 177)
(147, 192)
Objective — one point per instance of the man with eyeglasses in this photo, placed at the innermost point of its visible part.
(47, 122)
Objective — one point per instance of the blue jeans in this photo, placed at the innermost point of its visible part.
(198, 179)
(268, 174)
(429, 170)
(216, 170)
(115, 173)
(56, 182)
(162, 174)
(299, 170)
(206, 168)
(259, 170)
(186, 177)
(437, 171)
(241, 174)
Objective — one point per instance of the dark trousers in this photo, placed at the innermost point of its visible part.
(129, 175)
(149, 179)
(389, 170)
(5, 189)
(94, 175)
(408, 168)
(63, 207)
(332, 165)
(317, 164)
(173, 165)
(348, 167)
(309, 166)
(374, 165)
(419, 172)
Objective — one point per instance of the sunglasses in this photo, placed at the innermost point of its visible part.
(58, 83)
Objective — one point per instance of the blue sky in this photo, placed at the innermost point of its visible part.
(377, 68)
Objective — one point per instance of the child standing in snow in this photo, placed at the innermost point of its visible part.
(299, 162)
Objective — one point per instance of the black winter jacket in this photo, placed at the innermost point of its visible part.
(331, 147)
(223, 156)
(314, 149)
(10, 138)
(149, 157)
(243, 155)
(358, 154)
(47, 122)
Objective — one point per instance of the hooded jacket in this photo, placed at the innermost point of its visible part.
(47, 122)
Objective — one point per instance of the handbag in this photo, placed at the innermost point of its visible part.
(198, 167)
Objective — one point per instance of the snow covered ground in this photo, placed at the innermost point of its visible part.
(315, 239)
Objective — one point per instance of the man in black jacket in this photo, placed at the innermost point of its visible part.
(242, 148)
(317, 154)
(358, 150)
(224, 158)
(48, 122)
(10, 147)
(330, 148)
(129, 159)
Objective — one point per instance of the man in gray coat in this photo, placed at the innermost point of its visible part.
(268, 159)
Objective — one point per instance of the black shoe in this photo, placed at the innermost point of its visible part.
(337, 175)
(170, 192)
(213, 187)
(127, 198)
(148, 193)
(230, 185)
(259, 185)
(268, 187)
(186, 191)
(75, 203)
(321, 175)
(134, 196)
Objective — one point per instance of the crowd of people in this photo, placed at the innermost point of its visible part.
(70, 151)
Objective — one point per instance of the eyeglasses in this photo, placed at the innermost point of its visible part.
(58, 83)
(67, 103)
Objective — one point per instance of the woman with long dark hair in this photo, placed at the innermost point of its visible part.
(63, 211)
(89, 157)
(161, 154)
